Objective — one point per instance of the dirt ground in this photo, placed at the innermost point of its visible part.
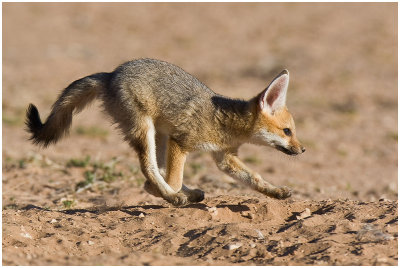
(81, 202)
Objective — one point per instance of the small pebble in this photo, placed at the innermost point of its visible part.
(141, 215)
(53, 221)
(259, 234)
(212, 209)
(90, 243)
(26, 235)
(382, 259)
(306, 213)
(247, 214)
(233, 246)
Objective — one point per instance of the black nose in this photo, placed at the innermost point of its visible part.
(303, 149)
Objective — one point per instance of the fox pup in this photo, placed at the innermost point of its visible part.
(164, 113)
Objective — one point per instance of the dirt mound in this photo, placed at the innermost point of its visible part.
(223, 230)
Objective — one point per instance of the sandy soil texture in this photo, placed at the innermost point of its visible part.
(81, 202)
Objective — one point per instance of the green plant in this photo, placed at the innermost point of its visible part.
(68, 203)
(79, 162)
(92, 131)
(107, 170)
(89, 179)
(140, 181)
(342, 152)
(392, 135)
(22, 163)
(17, 120)
(10, 206)
(196, 167)
(252, 160)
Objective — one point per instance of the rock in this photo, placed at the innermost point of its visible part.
(53, 221)
(25, 233)
(247, 214)
(213, 211)
(382, 260)
(372, 233)
(306, 213)
(259, 234)
(141, 215)
(233, 246)
(90, 243)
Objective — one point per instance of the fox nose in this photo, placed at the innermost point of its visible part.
(303, 149)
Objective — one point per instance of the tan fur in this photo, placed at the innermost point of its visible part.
(175, 162)
(164, 113)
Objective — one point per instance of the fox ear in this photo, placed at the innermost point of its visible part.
(274, 96)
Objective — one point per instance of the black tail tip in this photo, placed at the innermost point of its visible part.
(33, 122)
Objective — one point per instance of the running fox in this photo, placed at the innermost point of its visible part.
(164, 113)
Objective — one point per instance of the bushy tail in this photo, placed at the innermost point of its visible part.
(73, 99)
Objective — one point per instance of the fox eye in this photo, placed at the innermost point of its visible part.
(287, 131)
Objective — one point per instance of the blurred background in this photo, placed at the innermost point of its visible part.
(342, 59)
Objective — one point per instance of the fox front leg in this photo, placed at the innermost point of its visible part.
(229, 163)
(176, 158)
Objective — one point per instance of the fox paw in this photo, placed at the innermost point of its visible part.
(195, 196)
(178, 199)
(282, 192)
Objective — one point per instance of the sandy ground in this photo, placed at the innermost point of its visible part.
(82, 201)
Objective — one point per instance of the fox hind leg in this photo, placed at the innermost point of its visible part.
(161, 151)
(145, 146)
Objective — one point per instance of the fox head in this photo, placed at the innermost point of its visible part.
(274, 125)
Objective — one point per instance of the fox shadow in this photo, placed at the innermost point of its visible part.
(136, 210)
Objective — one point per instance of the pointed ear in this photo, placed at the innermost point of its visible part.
(274, 96)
